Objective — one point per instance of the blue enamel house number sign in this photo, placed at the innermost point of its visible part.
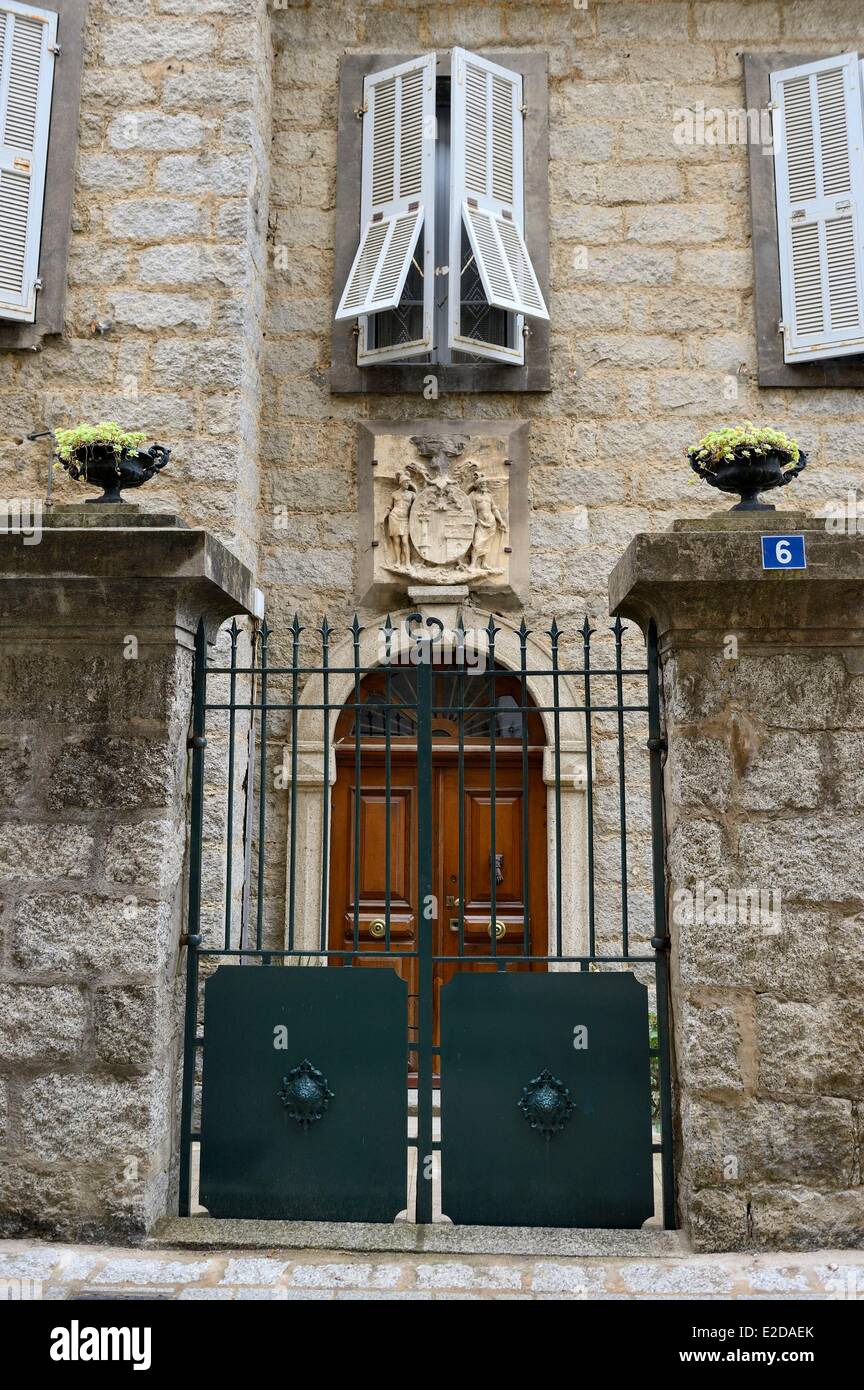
(783, 553)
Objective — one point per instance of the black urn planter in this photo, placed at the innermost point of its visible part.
(101, 465)
(748, 477)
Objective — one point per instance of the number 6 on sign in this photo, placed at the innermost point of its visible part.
(783, 553)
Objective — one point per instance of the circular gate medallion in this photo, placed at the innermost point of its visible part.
(305, 1094)
(546, 1104)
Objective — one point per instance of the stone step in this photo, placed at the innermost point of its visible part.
(210, 1233)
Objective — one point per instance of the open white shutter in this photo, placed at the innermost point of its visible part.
(819, 178)
(398, 192)
(486, 193)
(27, 41)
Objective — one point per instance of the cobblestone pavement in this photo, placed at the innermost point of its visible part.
(31, 1269)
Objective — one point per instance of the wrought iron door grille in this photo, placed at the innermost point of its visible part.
(335, 702)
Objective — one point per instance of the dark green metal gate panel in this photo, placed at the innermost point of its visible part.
(294, 1136)
(511, 1058)
(316, 1129)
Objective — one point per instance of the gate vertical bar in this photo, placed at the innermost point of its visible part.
(493, 791)
(325, 630)
(660, 941)
(388, 767)
(587, 632)
(356, 630)
(425, 928)
(460, 715)
(523, 720)
(263, 634)
(296, 629)
(197, 743)
(619, 630)
(554, 633)
(229, 830)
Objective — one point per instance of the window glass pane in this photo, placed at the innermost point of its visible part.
(404, 324)
(479, 319)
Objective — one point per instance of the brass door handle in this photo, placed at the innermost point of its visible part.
(377, 928)
(500, 928)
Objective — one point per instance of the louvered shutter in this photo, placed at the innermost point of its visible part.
(486, 190)
(819, 178)
(397, 196)
(27, 41)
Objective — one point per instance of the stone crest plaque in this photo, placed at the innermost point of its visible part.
(443, 503)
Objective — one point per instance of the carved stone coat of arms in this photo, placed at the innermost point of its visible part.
(439, 502)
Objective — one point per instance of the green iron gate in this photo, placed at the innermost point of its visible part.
(550, 1069)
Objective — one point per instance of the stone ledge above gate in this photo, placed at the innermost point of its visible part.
(121, 555)
(704, 570)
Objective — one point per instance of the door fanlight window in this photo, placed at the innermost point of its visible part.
(388, 703)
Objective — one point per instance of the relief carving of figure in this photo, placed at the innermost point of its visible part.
(489, 523)
(443, 522)
(398, 517)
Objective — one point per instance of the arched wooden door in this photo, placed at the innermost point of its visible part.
(462, 778)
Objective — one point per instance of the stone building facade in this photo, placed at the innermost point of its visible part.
(201, 275)
(200, 296)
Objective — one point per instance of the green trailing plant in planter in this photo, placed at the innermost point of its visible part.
(747, 459)
(84, 437)
(108, 457)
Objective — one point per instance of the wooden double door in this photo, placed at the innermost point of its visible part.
(518, 803)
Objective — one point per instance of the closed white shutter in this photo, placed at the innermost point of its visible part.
(397, 195)
(486, 195)
(27, 40)
(819, 178)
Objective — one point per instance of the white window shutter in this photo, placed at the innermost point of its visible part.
(486, 196)
(28, 38)
(381, 264)
(819, 179)
(397, 197)
(503, 261)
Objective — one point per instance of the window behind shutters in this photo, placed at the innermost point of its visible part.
(27, 41)
(819, 172)
(460, 370)
(486, 200)
(397, 204)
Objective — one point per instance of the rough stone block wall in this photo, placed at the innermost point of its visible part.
(207, 129)
(764, 795)
(97, 628)
(167, 266)
(92, 835)
(173, 309)
(771, 1025)
(650, 297)
(652, 328)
